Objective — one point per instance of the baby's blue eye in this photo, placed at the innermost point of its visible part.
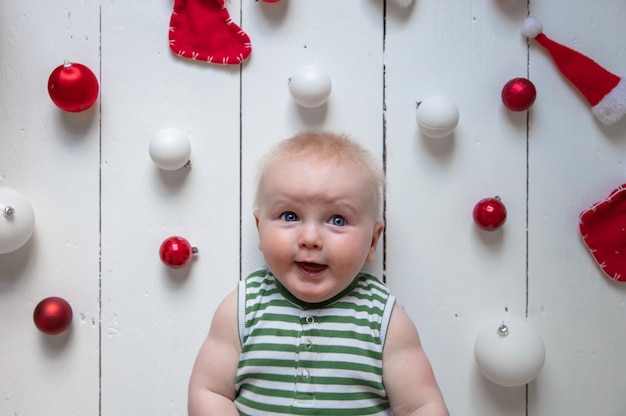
(289, 216)
(338, 220)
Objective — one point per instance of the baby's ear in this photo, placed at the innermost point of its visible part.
(256, 218)
(256, 221)
(378, 231)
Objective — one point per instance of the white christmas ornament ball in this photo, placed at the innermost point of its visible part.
(170, 149)
(510, 353)
(310, 86)
(402, 3)
(17, 220)
(437, 116)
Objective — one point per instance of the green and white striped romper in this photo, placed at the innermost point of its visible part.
(312, 359)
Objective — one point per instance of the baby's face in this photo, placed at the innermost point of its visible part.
(317, 226)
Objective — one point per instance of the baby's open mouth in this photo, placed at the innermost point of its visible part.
(311, 267)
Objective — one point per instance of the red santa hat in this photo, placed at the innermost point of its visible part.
(606, 92)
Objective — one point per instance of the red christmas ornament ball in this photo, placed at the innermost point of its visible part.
(176, 252)
(73, 87)
(519, 94)
(489, 213)
(53, 315)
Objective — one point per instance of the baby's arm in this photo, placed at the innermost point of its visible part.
(212, 382)
(407, 374)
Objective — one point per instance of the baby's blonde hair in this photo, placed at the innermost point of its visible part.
(321, 145)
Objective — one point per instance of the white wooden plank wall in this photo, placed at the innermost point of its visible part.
(103, 208)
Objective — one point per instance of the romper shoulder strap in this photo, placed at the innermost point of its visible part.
(384, 325)
(241, 310)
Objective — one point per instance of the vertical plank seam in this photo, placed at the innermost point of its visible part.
(384, 143)
(527, 168)
(240, 155)
(527, 194)
(100, 215)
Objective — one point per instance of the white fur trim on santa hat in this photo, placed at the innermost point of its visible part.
(532, 27)
(612, 106)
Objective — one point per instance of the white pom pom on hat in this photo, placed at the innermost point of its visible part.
(532, 27)
(605, 91)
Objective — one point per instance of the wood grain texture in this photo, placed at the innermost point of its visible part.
(103, 208)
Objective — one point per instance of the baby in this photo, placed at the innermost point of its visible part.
(312, 334)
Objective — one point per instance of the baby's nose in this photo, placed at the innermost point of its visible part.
(310, 237)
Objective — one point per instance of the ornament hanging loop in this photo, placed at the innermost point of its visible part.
(503, 330)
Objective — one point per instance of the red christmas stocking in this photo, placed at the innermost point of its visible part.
(202, 30)
(603, 228)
